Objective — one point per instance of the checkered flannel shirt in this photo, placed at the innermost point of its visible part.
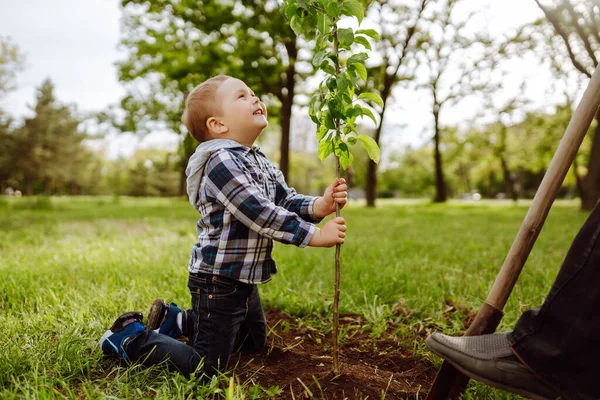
(246, 204)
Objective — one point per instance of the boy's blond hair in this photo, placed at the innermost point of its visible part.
(200, 105)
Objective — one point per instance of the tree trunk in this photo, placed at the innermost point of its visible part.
(47, 187)
(182, 177)
(349, 177)
(509, 183)
(188, 147)
(371, 183)
(440, 184)
(287, 101)
(590, 188)
(578, 179)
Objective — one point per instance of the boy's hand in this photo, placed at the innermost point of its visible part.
(335, 193)
(332, 233)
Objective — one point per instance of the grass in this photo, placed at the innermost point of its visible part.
(69, 266)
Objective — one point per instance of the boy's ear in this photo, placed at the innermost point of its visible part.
(216, 126)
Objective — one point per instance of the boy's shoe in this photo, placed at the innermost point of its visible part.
(489, 359)
(125, 326)
(165, 319)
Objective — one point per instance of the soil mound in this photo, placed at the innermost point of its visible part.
(298, 360)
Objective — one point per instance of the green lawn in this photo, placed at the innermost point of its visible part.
(69, 266)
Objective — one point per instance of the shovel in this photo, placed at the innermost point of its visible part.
(449, 382)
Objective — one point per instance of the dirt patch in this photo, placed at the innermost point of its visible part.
(298, 360)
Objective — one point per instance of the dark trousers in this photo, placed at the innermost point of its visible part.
(560, 341)
(226, 316)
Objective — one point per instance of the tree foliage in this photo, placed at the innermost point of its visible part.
(46, 153)
(11, 62)
(173, 46)
(401, 33)
(335, 107)
(574, 39)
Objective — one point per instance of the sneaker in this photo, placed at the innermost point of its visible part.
(125, 326)
(165, 319)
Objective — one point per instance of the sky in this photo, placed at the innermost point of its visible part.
(75, 44)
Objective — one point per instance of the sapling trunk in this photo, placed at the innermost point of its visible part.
(338, 247)
(336, 293)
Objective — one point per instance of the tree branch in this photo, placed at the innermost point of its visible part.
(409, 35)
(582, 34)
(565, 37)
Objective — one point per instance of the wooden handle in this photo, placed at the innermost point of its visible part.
(546, 194)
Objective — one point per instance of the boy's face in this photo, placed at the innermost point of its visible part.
(244, 115)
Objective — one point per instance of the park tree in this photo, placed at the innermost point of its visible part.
(174, 45)
(496, 137)
(574, 38)
(51, 154)
(11, 62)
(151, 172)
(398, 23)
(458, 65)
(418, 182)
(8, 151)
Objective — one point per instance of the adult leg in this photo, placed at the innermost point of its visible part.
(555, 346)
(560, 341)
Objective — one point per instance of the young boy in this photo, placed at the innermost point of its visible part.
(244, 204)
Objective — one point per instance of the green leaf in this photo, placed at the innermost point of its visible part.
(345, 85)
(372, 33)
(334, 106)
(371, 146)
(346, 37)
(367, 112)
(323, 23)
(361, 70)
(362, 40)
(325, 149)
(353, 8)
(328, 120)
(303, 4)
(331, 83)
(374, 97)
(328, 67)
(347, 98)
(290, 9)
(355, 58)
(318, 59)
(346, 158)
(296, 25)
(321, 132)
(312, 109)
(332, 8)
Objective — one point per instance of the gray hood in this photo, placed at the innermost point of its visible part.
(195, 167)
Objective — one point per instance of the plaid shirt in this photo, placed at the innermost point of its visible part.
(245, 205)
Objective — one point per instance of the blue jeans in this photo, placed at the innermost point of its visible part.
(226, 316)
(560, 341)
